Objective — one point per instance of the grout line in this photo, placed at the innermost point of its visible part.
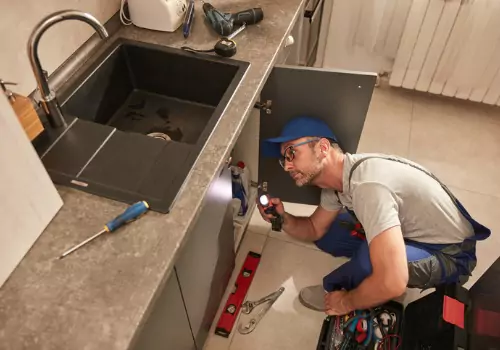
(296, 244)
(475, 192)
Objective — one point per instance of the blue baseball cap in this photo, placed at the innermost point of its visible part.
(296, 128)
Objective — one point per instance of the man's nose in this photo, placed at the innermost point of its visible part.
(288, 165)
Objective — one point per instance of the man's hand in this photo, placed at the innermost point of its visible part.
(336, 303)
(278, 205)
(304, 228)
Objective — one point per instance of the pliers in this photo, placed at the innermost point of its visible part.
(355, 327)
(248, 306)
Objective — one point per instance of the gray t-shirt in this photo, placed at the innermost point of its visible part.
(385, 193)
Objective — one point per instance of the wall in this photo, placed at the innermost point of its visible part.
(364, 35)
(59, 42)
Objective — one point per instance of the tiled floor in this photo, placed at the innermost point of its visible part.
(458, 141)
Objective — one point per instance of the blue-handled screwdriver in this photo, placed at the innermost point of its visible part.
(132, 213)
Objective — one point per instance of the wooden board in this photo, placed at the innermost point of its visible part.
(27, 116)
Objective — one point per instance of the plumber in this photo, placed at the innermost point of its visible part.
(399, 225)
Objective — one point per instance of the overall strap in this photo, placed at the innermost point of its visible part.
(481, 232)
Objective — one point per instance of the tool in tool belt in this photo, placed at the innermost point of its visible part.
(131, 214)
(355, 228)
(225, 47)
(248, 306)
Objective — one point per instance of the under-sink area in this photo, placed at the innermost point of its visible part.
(138, 117)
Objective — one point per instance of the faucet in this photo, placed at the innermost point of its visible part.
(48, 98)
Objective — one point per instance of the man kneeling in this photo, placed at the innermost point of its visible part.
(399, 225)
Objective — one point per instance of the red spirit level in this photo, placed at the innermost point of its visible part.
(235, 299)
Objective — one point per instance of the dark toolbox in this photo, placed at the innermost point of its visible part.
(377, 328)
(449, 318)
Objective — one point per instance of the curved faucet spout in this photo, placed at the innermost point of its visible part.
(49, 100)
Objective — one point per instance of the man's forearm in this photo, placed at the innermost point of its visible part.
(373, 292)
(301, 228)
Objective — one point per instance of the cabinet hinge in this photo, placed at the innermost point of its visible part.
(264, 106)
(264, 186)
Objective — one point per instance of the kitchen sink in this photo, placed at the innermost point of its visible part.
(153, 91)
(139, 115)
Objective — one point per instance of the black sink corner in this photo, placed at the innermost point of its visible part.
(141, 115)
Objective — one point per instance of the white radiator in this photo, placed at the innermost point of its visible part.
(451, 48)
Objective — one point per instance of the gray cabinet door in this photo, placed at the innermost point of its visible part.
(207, 260)
(340, 98)
(167, 325)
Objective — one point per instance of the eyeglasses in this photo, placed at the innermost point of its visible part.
(289, 153)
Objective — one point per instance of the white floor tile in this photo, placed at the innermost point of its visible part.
(257, 224)
(287, 325)
(388, 122)
(297, 210)
(460, 145)
(251, 242)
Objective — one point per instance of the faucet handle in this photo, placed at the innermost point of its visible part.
(7, 92)
(3, 84)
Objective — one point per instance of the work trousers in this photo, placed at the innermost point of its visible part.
(424, 268)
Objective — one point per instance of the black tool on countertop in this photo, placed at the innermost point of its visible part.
(223, 23)
(225, 47)
(269, 208)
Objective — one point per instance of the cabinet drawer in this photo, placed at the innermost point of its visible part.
(310, 29)
(287, 50)
(290, 52)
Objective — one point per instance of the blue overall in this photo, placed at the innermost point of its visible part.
(456, 260)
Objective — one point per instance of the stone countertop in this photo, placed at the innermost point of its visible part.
(97, 297)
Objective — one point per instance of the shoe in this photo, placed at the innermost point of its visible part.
(313, 297)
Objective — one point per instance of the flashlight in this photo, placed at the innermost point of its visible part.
(277, 220)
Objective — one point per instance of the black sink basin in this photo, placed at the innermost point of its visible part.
(144, 89)
(143, 113)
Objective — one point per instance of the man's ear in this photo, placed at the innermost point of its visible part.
(324, 146)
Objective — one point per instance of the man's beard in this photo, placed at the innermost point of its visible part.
(307, 178)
